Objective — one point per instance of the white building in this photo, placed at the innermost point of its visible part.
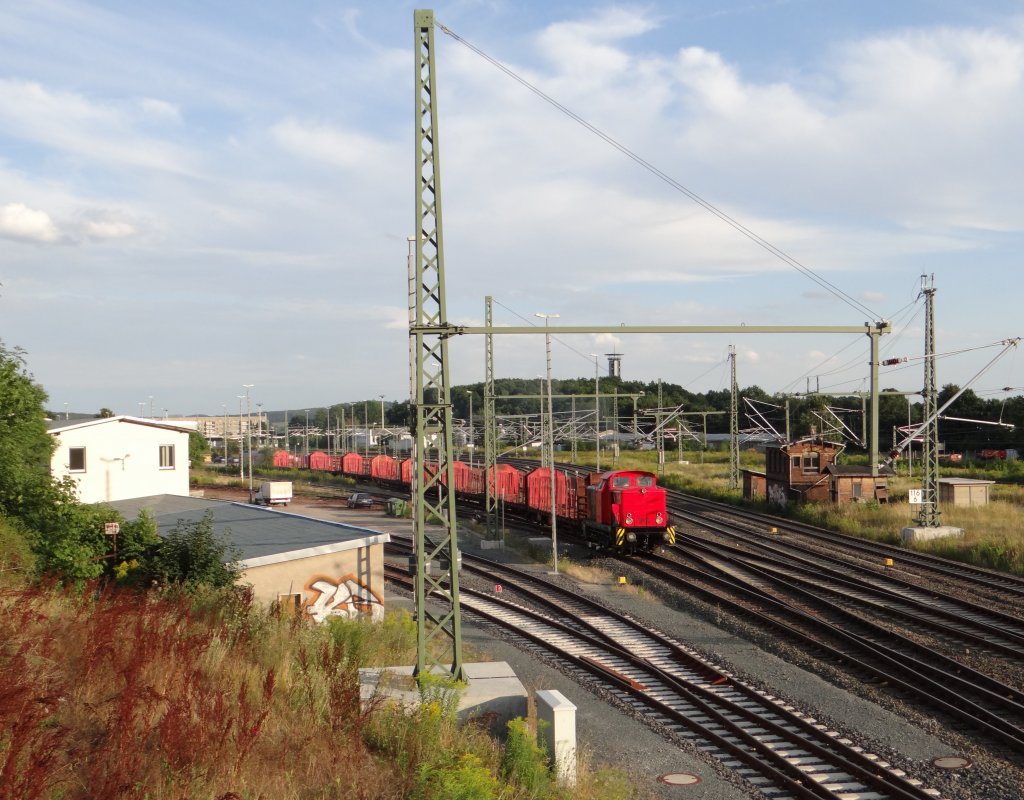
(117, 458)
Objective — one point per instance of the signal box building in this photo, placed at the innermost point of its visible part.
(806, 471)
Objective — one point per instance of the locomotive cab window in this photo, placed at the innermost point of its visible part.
(644, 480)
(620, 482)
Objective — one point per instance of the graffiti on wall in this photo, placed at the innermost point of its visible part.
(342, 597)
(777, 495)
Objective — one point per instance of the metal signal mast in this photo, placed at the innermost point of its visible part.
(437, 559)
(734, 422)
(929, 516)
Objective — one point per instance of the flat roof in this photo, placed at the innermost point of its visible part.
(263, 535)
(55, 426)
(965, 482)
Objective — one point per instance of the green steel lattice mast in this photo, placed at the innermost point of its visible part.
(437, 573)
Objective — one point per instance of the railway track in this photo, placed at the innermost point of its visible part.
(777, 750)
(872, 651)
(757, 526)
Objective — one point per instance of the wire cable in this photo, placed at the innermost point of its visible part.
(647, 165)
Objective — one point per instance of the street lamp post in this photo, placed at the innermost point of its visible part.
(344, 438)
(248, 433)
(551, 442)
(225, 407)
(471, 443)
(151, 406)
(381, 421)
(306, 434)
(241, 446)
(366, 429)
(66, 411)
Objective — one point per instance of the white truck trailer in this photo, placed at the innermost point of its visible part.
(274, 493)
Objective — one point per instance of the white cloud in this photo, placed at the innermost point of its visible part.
(18, 221)
(329, 144)
(74, 125)
(109, 229)
(160, 108)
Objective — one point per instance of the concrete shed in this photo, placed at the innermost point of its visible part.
(964, 491)
(317, 567)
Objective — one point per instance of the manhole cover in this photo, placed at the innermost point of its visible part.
(951, 762)
(679, 779)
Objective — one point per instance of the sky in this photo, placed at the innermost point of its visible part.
(196, 196)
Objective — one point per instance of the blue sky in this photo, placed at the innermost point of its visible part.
(196, 196)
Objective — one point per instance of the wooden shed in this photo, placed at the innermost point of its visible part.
(964, 491)
(753, 485)
(850, 483)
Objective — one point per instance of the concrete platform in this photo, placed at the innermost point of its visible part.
(493, 692)
(908, 535)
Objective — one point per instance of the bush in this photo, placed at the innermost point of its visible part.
(525, 761)
(191, 555)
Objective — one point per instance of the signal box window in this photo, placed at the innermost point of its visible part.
(76, 459)
(796, 462)
(167, 456)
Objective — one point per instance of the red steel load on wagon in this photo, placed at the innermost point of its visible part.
(506, 483)
(384, 468)
(538, 493)
(355, 464)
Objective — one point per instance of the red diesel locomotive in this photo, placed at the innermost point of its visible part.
(619, 510)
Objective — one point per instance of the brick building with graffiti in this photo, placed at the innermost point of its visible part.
(318, 567)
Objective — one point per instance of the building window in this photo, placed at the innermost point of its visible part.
(167, 456)
(796, 462)
(811, 461)
(856, 490)
(76, 459)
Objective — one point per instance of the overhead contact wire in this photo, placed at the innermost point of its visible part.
(696, 198)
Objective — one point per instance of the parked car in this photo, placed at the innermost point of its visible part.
(360, 500)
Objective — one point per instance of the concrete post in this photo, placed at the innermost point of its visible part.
(559, 733)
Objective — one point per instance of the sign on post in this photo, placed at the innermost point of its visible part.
(916, 496)
(111, 528)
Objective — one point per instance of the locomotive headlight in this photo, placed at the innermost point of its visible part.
(630, 536)
(659, 518)
(629, 519)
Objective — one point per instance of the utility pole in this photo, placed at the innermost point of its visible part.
(248, 433)
(929, 514)
(241, 441)
(490, 430)
(734, 422)
(434, 495)
(659, 434)
(597, 414)
(550, 444)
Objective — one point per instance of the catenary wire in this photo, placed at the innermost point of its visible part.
(658, 173)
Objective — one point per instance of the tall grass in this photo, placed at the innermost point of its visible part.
(122, 695)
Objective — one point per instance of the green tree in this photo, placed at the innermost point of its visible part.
(191, 554)
(104, 413)
(198, 447)
(25, 445)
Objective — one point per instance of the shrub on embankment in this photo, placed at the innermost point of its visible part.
(164, 695)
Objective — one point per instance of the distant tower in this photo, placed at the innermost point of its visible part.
(614, 364)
